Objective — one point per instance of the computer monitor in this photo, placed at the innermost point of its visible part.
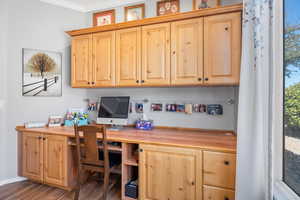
(113, 110)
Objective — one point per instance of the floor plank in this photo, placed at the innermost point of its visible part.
(28, 190)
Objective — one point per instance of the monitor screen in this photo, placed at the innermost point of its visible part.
(114, 107)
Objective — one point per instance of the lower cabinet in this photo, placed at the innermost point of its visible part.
(168, 173)
(45, 159)
(32, 156)
(171, 173)
(213, 193)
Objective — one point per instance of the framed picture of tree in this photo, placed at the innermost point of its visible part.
(42, 73)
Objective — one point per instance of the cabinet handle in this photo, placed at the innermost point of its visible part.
(199, 79)
(93, 83)
(137, 81)
(89, 83)
(143, 81)
(226, 162)
(44, 138)
(206, 79)
(141, 150)
(226, 28)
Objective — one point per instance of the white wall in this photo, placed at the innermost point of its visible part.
(33, 24)
(150, 8)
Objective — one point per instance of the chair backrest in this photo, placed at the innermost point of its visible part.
(90, 145)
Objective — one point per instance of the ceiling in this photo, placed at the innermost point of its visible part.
(89, 5)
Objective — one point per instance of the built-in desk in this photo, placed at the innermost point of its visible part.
(171, 163)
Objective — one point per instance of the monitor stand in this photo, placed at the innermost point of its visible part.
(115, 127)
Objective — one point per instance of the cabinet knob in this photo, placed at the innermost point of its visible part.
(44, 138)
(206, 79)
(93, 83)
(174, 52)
(137, 81)
(199, 79)
(89, 83)
(143, 81)
(141, 150)
(39, 137)
(226, 28)
(226, 198)
(226, 162)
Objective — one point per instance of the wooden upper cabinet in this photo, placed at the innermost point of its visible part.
(222, 49)
(55, 158)
(104, 59)
(156, 55)
(128, 59)
(81, 61)
(170, 173)
(187, 52)
(33, 156)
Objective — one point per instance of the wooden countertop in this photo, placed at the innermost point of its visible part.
(224, 141)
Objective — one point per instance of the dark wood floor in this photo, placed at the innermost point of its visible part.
(27, 190)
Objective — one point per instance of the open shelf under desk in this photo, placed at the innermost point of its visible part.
(110, 147)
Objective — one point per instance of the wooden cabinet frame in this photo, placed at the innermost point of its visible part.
(185, 49)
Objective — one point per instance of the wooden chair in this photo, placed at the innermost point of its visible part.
(89, 161)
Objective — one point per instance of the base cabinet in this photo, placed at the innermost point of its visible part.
(32, 162)
(45, 159)
(168, 173)
(213, 193)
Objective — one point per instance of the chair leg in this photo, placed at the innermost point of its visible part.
(77, 192)
(105, 186)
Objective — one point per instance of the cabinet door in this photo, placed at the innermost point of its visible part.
(55, 158)
(214, 193)
(128, 60)
(170, 173)
(104, 59)
(219, 169)
(187, 52)
(81, 61)
(32, 153)
(156, 55)
(222, 49)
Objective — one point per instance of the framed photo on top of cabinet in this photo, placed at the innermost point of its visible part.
(166, 7)
(135, 12)
(104, 18)
(202, 4)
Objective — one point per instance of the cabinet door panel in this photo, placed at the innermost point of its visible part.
(81, 61)
(156, 54)
(170, 173)
(219, 169)
(55, 158)
(187, 52)
(128, 60)
(213, 193)
(104, 59)
(222, 49)
(33, 156)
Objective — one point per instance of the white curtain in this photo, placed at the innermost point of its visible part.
(254, 138)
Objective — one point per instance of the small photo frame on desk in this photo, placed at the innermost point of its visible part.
(136, 12)
(104, 18)
(55, 121)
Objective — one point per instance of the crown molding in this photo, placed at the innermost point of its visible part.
(90, 6)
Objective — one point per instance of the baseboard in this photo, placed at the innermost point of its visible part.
(12, 180)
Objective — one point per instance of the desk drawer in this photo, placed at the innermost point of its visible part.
(219, 169)
(213, 193)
